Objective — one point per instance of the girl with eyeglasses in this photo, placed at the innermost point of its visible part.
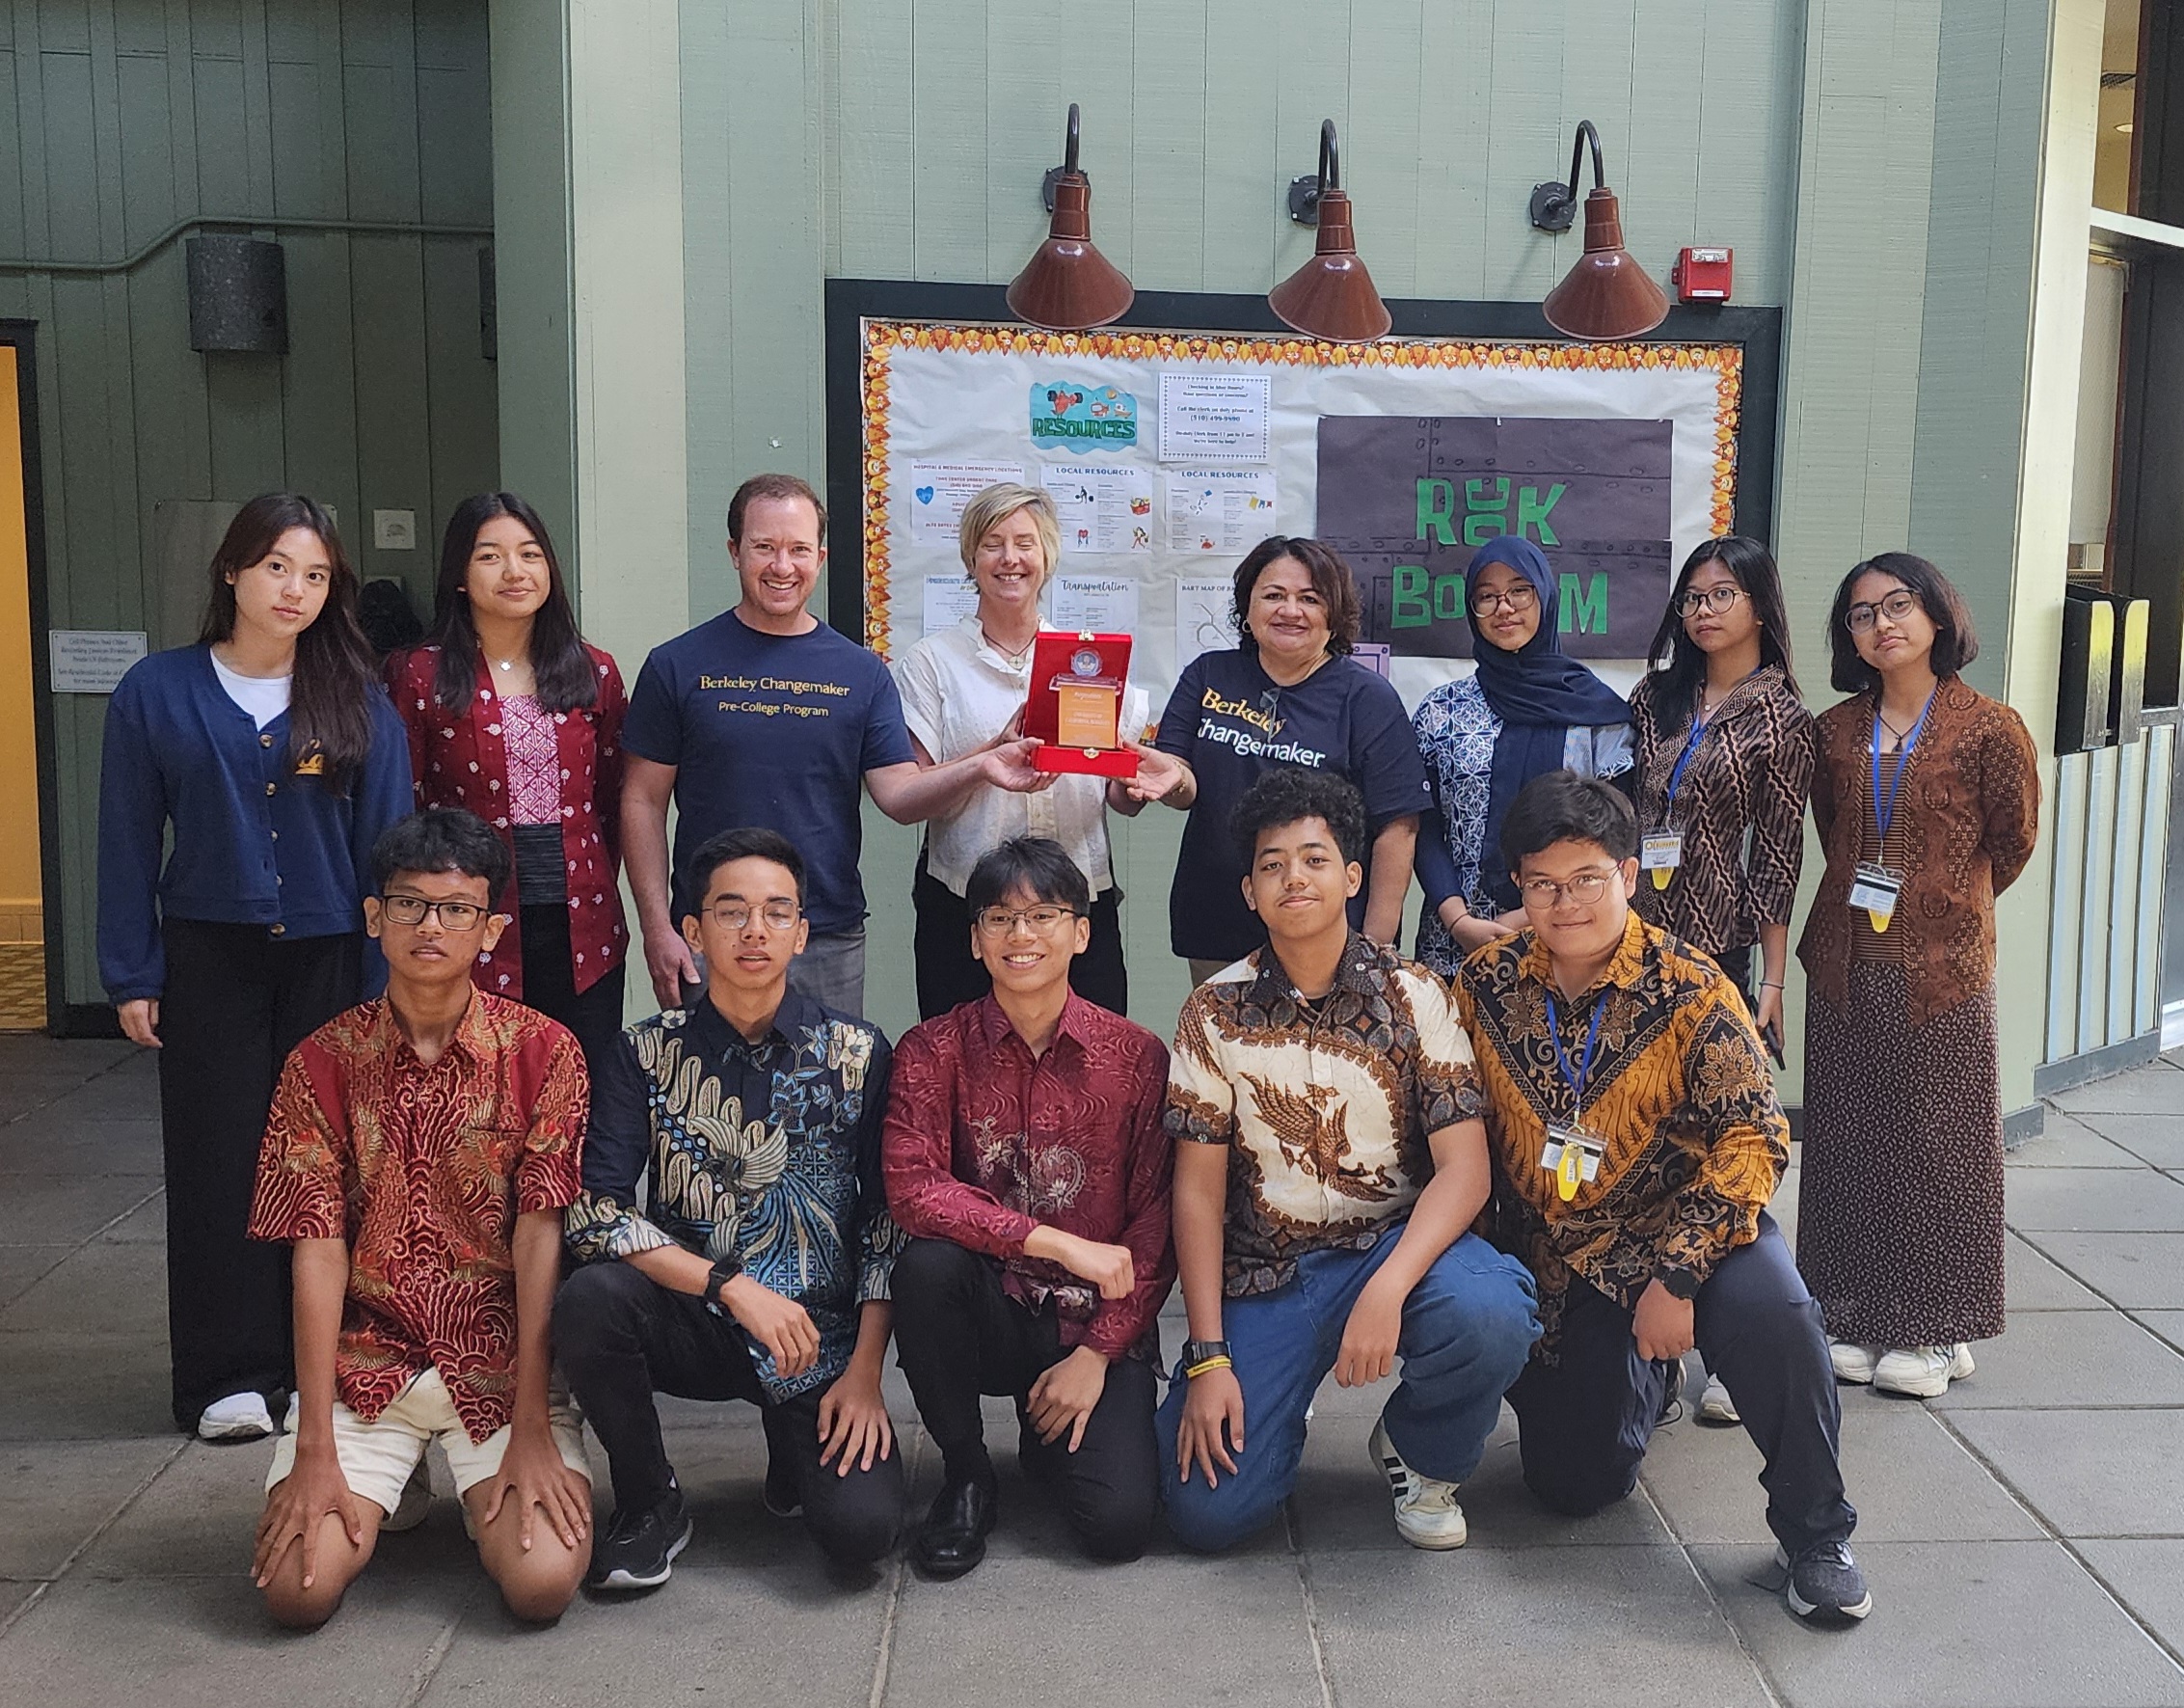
(1527, 709)
(1724, 760)
(1927, 799)
(513, 715)
(270, 753)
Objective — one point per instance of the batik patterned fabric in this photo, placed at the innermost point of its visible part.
(985, 1142)
(424, 1170)
(1328, 1104)
(1679, 1095)
(767, 1153)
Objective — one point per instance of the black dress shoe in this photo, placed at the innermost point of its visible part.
(952, 1540)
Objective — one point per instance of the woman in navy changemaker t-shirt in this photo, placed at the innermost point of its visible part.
(1288, 695)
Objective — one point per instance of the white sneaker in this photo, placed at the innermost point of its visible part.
(415, 1505)
(1852, 1362)
(240, 1416)
(1715, 1407)
(1924, 1373)
(1426, 1514)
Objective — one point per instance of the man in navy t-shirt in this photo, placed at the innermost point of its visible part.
(765, 716)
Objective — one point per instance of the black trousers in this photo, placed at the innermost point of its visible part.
(549, 984)
(949, 975)
(958, 1336)
(237, 1001)
(620, 1338)
(1584, 1422)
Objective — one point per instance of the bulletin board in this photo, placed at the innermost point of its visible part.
(1170, 453)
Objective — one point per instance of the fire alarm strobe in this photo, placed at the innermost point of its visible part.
(1702, 275)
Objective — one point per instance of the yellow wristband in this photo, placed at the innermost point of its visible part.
(1221, 1362)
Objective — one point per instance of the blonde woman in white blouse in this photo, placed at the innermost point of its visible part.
(963, 689)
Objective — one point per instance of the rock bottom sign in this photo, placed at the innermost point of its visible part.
(1409, 499)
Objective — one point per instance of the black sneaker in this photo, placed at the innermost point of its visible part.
(783, 1497)
(1671, 1395)
(1825, 1582)
(638, 1549)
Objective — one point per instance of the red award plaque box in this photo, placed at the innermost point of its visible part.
(1075, 706)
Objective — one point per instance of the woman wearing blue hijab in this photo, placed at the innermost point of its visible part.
(1525, 711)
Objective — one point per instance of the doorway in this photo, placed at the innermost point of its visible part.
(23, 980)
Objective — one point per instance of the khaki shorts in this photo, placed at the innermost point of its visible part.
(377, 1457)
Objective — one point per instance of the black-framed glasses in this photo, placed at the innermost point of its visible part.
(455, 916)
(999, 922)
(734, 915)
(1522, 597)
(1717, 599)
(1542, 893)
(1896, 607)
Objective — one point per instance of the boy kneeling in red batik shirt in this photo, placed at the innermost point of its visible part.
(419, 1153)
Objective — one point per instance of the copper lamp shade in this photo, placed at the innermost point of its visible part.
(1331, 296)
(1069, 286)
(1606, 296)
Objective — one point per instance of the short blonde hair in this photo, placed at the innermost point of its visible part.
(987, 510)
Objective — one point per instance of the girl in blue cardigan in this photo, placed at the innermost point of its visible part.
(272, 751)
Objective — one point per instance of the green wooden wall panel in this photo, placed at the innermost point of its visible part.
(1312, 84)
(461, 400)
(1528, 144)
(1746, 154)
(65, 28)
(450, 35)
(949, 141)
(1242, 146)
(222, 137)
(216, 28)
(71, 156)
(392, 410)
(382, 155)
(258, 102)
(1453, 118)
(318, 384)
(11, 141)
(1166, 142)
(1023, 113)
(309, 167)
(872, 109)
(144, 132)
(712, 69)
(454, 148)
(1380, 152)
(173, 448)
(30, 131)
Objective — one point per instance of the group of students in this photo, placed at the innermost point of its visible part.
(1534, 1161)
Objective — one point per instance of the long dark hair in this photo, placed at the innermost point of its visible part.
(1956, 641)
(1332, 580)
(337, 673)
(1676, 683)
(563, 670)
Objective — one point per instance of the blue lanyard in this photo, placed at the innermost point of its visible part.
(1684, 761)
(1885, 813)
(1582, 1076)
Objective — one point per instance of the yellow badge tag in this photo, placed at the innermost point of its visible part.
(1880, 920)
(1569, 1172)
(1660, 877)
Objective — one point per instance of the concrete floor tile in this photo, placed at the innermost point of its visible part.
(2148, 1576)
(206, 1643)
(13, 1593)
(2087, 1473)
(54, 1142)
(2033, 1283)
(44, 1209)
(1909, 1478)
(1406, 1626)
(2168, 1324)
(1953, 1625)
(2156, 1089)
(2098, 1200)
(2133, 1270)
(107, 1286)
(2069, 1358)
(68, 1387)
(29, 1052)
(970, 1642)
(54, 1496)
(126, 1092)
(21, 1266)
(2156, 1139)
(2071, 1141)
(146, 1222)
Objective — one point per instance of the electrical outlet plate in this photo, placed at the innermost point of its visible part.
(394, 530)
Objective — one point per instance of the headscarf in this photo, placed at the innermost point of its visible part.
(1538, 694)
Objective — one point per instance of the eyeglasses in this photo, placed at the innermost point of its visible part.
(1542, 893)
(999, 922)
(1898, 605)
(1717, 599)
(1521, 597)
(734, 915)
(457, 916)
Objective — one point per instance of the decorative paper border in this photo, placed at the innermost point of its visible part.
(882, 338)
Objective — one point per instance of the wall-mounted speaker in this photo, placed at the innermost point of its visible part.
(238, 296)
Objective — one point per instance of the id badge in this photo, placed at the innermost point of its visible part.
(1876, 889)
(1660, 852)
(1571, 1156)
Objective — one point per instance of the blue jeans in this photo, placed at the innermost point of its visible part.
(1468, 1328)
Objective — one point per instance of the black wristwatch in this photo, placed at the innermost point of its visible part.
(1196, 1352)
(1679, 1283)
(725, 1270)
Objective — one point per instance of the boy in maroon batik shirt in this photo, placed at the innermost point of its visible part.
(420, 1154)
(1026, 1162)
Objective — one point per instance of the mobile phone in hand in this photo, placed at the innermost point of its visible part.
(1771, 1037)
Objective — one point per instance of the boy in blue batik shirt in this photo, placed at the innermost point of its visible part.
(758, 1269)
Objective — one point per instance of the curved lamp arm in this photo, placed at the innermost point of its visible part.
(1069, 167)
(1305, 192)
(1554, 204)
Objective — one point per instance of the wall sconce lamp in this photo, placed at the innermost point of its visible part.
(1069, 286)
(1606, 296)
(1332, 295)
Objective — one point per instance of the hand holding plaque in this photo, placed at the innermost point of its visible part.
(1075, 706)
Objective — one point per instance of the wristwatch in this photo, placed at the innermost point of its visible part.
(1679, 1283)
(725, 1270)
(1196, 1352)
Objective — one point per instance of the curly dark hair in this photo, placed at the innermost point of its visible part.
(441, 839)
(1956, 641)
(1289, 793)
(1332, 580)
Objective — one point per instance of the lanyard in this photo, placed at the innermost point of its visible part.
(1684, 761)
(1885, 813)
(1582, 1076)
